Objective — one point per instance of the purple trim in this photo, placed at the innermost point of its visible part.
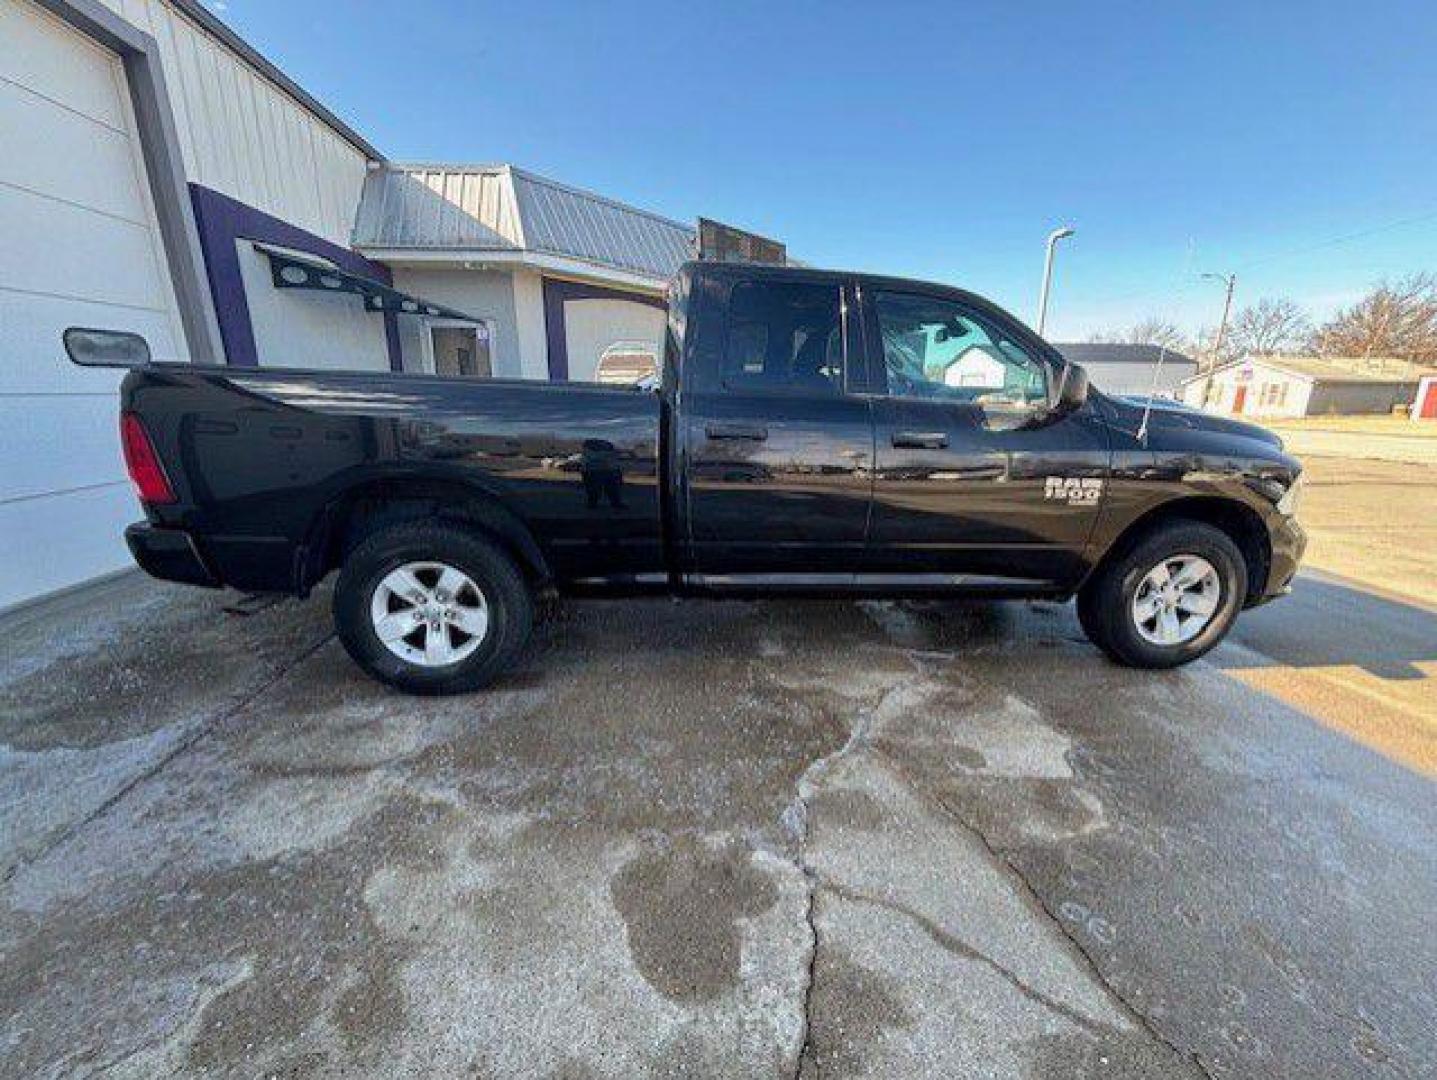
(556, 292)
(221, 221)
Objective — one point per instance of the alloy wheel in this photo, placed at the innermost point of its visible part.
(1176, 600)
(429, 613)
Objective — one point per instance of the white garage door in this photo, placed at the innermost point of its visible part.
(78, 246)
(592, 327)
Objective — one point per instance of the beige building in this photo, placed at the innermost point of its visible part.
(1289, 386)
(159, 175)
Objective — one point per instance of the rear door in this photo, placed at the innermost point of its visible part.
(976, 475)
(779, 450)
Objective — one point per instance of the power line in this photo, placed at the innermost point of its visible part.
(1338, 240)
(1182, 284)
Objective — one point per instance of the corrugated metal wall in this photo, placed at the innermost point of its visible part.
(241, 135)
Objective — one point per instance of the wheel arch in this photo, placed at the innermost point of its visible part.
(376, 503)
(1242, 524)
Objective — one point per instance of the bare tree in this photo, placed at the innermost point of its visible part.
(1157, 331)
(1150, 331)
(1267, 328)
(1397, 318)
(1206, 350)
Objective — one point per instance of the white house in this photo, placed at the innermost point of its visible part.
(1290, 386)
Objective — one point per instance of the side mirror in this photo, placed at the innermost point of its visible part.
(1072, 389)
(106, 348)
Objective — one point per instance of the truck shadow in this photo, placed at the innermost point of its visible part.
(1331, 623)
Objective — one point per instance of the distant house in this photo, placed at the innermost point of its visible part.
(1278, 386)
(1131, 369)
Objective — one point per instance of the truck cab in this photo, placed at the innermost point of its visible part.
(857, 432)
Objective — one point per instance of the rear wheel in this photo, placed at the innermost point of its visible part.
(1168, 599)
(432, 609)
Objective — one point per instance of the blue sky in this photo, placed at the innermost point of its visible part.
(1292, 143)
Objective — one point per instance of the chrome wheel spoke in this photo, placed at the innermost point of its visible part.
(450, 582)
(1198, 603)
(437, 649)
(403, 583)
(395, 625)
(1192, 572)
(471, 620)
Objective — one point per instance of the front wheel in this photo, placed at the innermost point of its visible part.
(1169, 599)
(432, 609)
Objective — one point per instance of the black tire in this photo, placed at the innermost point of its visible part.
(1105, 602)
(510, 606)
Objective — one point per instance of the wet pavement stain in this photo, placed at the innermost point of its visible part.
(681, 902)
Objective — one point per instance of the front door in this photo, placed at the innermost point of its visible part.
(976, 476)
(778, 451)
(1239, 399)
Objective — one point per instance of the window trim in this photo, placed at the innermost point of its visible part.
(989, 320)
(846, 319)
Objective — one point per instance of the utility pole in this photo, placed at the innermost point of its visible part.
(1230, 280)
(1053, 238)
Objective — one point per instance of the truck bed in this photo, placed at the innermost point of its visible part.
(261, 458)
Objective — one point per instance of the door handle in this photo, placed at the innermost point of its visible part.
(920, 440)
(748, 432)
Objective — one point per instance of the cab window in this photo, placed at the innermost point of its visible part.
(785, 338)
(936, 349)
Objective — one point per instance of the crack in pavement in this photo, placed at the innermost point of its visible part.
(954, 944)
(186, 742)
(1040, 906)
(795, 820)
(805, 1046)
(898, 627)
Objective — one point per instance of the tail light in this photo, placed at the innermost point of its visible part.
(146, 472)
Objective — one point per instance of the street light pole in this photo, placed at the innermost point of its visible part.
(1053, 238)
(1230, 280)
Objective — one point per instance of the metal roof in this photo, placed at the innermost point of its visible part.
(477, 208)
(1094, 352)
(1339, 369)
(438, 208)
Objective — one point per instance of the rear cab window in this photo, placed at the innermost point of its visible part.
(785, 338)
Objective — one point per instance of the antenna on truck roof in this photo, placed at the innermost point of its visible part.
(1152, 393)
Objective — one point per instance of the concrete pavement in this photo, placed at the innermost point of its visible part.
(716, 839)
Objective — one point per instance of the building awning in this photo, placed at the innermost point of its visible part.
(291, 271)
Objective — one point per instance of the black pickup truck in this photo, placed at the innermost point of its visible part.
(810, 432)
